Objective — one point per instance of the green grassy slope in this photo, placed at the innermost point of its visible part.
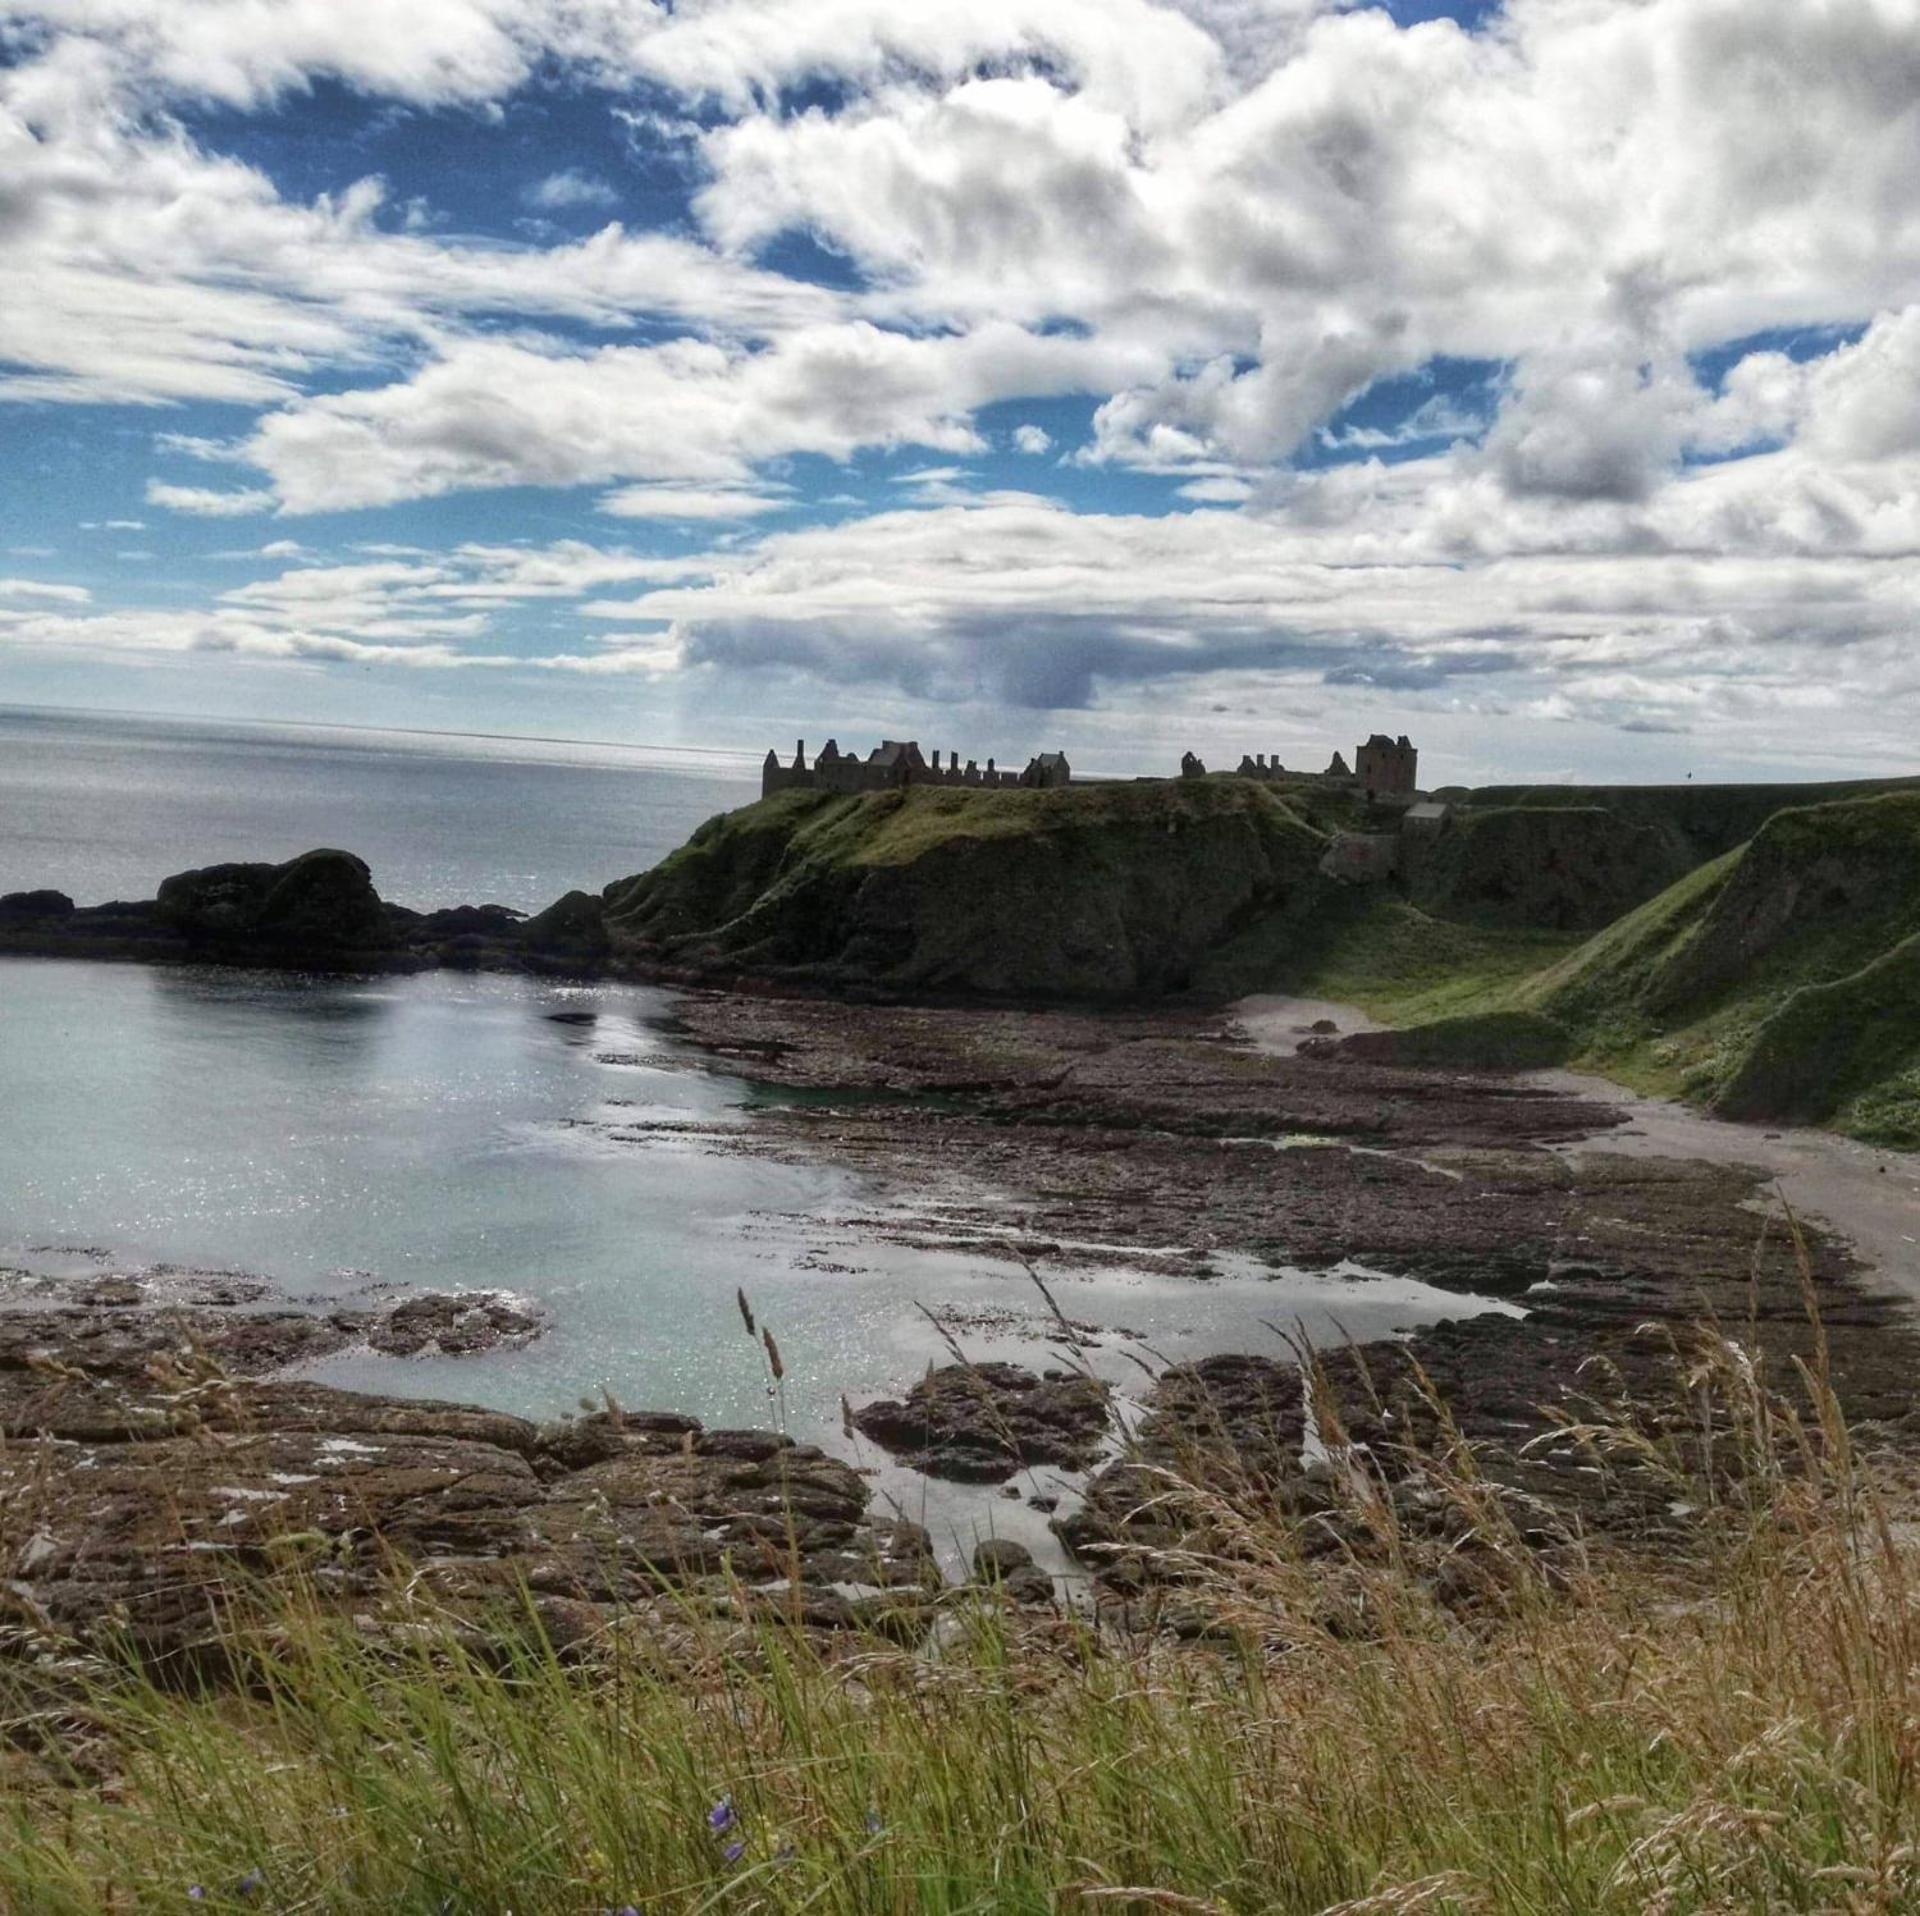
(1373, 948)
(1780, 981)
(1092, 891)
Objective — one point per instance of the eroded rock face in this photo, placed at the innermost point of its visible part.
(121, 1326)
(1084, 892)
(1234, 1425)
(110, 1336)
(979, 1423)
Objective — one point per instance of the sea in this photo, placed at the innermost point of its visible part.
(355, 1138)
(104, 807)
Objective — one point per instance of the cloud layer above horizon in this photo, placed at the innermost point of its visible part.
(1541, 379)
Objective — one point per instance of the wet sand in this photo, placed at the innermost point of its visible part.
(1868, 1195)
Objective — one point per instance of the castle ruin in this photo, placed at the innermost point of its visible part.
(895, 763)
(1385, 767)
(1261, 766)
(1384, 770)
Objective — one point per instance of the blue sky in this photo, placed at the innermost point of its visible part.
(1121, 374)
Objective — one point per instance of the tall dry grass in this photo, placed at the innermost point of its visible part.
(1728, 1727)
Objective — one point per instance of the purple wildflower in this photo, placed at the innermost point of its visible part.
(721, 1817)
(874, 1824)
(251, 1884)
(733, 1851)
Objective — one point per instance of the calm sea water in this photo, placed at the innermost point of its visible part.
(105, 808)
(447, 1131)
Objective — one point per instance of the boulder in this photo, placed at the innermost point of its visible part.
(455, 1324)
(1001, 1564)
(980, 1423)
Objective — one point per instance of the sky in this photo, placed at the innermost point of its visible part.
(1541, 380)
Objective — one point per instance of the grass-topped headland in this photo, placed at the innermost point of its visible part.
(1696, 820)
(1766, 974)
(1090, 891)
(1745, 946)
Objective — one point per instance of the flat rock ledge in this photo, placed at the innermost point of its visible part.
(143, 1483)
(980, 1423)
(116, 1321)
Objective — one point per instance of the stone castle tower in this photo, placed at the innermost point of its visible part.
(1386, 767)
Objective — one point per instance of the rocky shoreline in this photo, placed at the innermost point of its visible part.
(157, 1456)
(1072, 1136)
(157, 1462)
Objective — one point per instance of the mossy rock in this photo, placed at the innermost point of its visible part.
(574, 926)
(1487, 1041)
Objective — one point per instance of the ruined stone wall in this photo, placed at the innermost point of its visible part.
(894, 764)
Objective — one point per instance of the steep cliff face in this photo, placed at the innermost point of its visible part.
(1543, 867)
(1088, 892)
(1820, 890)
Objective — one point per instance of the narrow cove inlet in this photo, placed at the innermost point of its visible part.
(352, 1142)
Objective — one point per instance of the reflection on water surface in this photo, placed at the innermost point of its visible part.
(550, 1139)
